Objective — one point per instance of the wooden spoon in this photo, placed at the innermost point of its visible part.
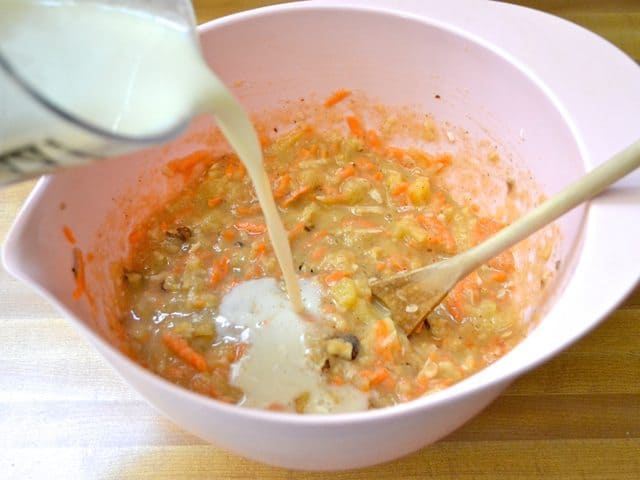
(411, 296)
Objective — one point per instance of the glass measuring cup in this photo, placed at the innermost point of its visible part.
(59, 59)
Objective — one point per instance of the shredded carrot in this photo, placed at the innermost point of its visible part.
(251, 228)
(385, 343)
(445, 159)
(246, 211)
(399, 189)
(397, 263)
(336, 380)
(378, 176)
(318, 253)
(296, 230)
(260, 249)
(438, 233)
(179, 346)
(373, 139)
(397, 153)
(265, 141)
(303, 154)
(220, 270)
(281, 186)
(504, 262)
(382, 329)
(68, 233)
(333, 198)
(465, 292)
(319, 235)
(186, 164)
(499, 277)
(78, 271)
(228, 234)
(486, 227)
(276, 407)
(346, 172)
(164, 227)
(293, 196)
(214, 202)
(199, 304)
(366, 165)
(137, 236)
(420, 156)
(229, 169)
(255, 273)
(333, 277)
(90, 257)
(336, 97)
(355, 126)
(376, 376)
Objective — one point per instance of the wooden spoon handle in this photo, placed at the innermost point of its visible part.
(587, 187)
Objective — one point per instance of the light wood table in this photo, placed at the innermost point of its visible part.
(64, 414)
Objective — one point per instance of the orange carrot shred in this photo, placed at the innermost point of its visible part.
(186, 164)
(293, 196)
(336, 97)
(251, 228)
(303, 154)
(265, 141)
(260, 249)
(228, 234)
(438, 232)
(229, 169)
(214, 202)
(347, 172)
(220, 270)
(464, 292)
(319, 235)
(78, 271)
(333, 277)
(397, 153)
(499, 277)
(180, 347)
(355, 126)
(366, 165)
(68, 233)
(246, 211)
(318, 253)
(400, 189)
(281, 186)
(373, 139)
(137, 235)
(296, 230)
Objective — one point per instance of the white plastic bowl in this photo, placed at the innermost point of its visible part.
(397, 57)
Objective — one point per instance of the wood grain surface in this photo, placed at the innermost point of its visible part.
(64, 414)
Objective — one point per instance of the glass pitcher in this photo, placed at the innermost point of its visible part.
(81, 80)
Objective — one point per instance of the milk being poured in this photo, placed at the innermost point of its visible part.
(134, 75)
